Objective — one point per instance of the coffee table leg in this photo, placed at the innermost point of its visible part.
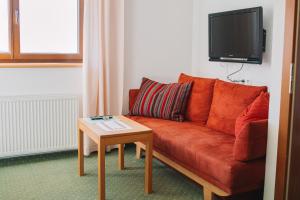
(138, 151)
(121, 156)
(148, 167)
(101, 171)
(80, 153)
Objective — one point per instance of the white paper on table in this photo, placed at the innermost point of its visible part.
(113, 125)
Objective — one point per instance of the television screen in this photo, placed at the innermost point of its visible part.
(236, 36)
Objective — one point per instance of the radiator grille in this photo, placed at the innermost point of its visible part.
(37, 124)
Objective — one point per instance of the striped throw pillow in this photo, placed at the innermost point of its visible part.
(158, 100)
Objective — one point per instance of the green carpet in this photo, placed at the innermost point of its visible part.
(54, 177)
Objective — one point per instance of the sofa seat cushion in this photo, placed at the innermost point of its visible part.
(206, 152)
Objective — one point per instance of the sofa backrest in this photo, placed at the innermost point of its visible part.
(229, 101)
(215, 103)
(200, 99)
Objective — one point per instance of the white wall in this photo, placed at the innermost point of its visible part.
(158, 42)
(164, 38)
(275, 90)
(35, 81)
(269, 73)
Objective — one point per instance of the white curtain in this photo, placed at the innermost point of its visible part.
(103, 60)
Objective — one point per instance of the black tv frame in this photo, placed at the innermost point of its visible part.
(262, 37)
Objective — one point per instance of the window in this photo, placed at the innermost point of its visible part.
(41, 30)
(5, 45)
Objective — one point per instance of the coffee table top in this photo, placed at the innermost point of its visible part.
(97, 131)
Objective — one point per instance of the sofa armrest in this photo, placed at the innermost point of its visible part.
(132, 97)
(251, 142)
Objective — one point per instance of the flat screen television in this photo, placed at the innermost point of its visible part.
(237, 36)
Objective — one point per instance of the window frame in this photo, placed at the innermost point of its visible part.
(15, 56)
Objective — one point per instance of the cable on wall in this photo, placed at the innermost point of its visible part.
(233, 73)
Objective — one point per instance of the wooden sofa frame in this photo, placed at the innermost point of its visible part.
(208, 189)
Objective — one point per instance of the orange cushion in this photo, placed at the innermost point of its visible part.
(200, 98)
(229, 101)
(251, 141)
(258, 110)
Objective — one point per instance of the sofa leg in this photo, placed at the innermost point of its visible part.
(207, 194)
(138, 151)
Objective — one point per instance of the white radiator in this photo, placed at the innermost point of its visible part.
(37, 124)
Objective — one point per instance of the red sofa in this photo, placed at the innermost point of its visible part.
(205, 147)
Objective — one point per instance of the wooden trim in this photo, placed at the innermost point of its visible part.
(124, 139)
(16, 56)
(206, 185)
(5, 56)
(121, 156)
(80, 153)
(11, 29)
(81, 20)
(39, 65)
(208, 195)
(148, 164)
(293, 173)
(285, 108)
(15, 30)
(87, 131)
(138, 152)
(101, 170)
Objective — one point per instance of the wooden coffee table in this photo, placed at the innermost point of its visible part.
(137, 133)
